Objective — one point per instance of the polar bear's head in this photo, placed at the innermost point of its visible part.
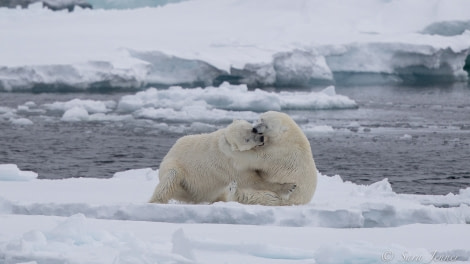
(240, 137)
(276, 126)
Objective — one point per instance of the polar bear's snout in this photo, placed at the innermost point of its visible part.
(259, 128)
(259, 139)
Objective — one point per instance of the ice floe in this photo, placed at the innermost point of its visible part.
(82, 221)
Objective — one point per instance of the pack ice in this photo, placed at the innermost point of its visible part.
(183, 110)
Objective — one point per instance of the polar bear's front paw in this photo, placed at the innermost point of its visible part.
(287, 189)
(231, 192)
(232, 187)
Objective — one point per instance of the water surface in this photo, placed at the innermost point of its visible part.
(417, 137)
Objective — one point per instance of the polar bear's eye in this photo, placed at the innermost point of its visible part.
(247, 140)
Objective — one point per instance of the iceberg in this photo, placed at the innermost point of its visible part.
(278, 43)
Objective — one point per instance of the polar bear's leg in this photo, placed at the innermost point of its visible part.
(165, 188)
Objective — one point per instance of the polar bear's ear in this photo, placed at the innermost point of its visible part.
(233, 147)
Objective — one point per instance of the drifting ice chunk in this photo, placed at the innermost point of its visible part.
(166, 103)
(75, 114)
(326, 99)
(21, 122)
(311, 130)
(406, 137)
(90, 106)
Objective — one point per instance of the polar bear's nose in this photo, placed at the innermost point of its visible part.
(261, 138)
(259, 128)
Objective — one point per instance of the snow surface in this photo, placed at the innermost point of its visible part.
(203, 109)
(259, 43)
(84, 220)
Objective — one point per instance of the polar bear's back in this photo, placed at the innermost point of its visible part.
(194, 148)
(193, 159)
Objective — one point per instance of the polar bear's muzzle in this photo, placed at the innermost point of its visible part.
(259, 128)
(260, 138)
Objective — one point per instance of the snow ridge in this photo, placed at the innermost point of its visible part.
(367, 216)
(353, 206)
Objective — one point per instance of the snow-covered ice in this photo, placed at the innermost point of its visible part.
(109, 221)
(275, 43)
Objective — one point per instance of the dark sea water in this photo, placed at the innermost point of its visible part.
(417, 137)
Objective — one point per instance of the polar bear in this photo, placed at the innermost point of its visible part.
(202, 168)
(285, 158)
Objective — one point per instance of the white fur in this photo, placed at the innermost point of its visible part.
(285, 158)
(200, 168)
